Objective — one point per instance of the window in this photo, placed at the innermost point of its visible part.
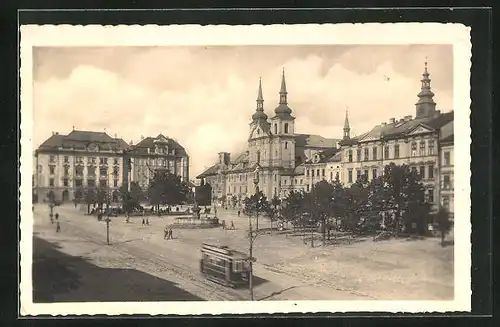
(446, 202)
(103, 183)
(51, 182)
(431, 147)
(422, 148)
(358, 174)
(275, 128)
(446, 158)
(79, 159)
(430, 196)
(91, 171)
(396, 151)
(349, 176)
(234, 189)
(307, 172)
(78, 183)
(365, 173)
(366, 154)
(413, 149)
(65, 182)
(103, 161)
(115, 161)
(374, 173)
(286, 145)
(52, 169)
(312, 172)
(115, 171)
(275, 178)
(349, 154)
(103, 171)
(386, 152)
(307, 188)
(414, 170)
(79, 171)
(66, 159)
(284, 181)
(52, 159)
(317, 172)
(446, 181)
(66, 171)
(337, 175)
(323, 173)
(422, 171)
(286, 128)
(358, 154)
(301, 181)
(258, 156)
(331, 175)
(430, 172)
(92, 160)
(375, 154)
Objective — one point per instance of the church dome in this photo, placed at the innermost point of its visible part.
(283, 110)
(259, 115)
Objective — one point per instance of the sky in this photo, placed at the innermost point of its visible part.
(204, 97)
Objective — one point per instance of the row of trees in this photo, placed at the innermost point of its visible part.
(394, 202)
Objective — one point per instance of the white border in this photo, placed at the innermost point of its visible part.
(400, 33)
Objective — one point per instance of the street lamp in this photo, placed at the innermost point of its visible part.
(107, 228)
(251, 234)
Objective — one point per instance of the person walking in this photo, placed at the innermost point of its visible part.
(147, 221)
(58, 227)
(57, 216)
(143, 222)
(51, 218)
(239, 212)
(166, 233)
(232, 225)
(170, 234)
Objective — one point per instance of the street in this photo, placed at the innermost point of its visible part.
(154, 269)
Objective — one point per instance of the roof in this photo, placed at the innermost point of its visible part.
(149, 143)
(325, 156)
(212, 170)
(80, 140)
(310, 140)
(402, 128)
(447, 140)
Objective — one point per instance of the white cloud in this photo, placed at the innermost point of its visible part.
(205, 100)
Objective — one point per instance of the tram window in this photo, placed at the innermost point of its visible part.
(238, 266)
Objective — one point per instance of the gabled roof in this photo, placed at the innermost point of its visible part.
(149, 143)
(212, 170)
(449, 140)
(311, 140)
(324, 156)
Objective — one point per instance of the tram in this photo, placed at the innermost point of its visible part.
(224, 266)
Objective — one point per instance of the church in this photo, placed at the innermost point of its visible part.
(274, 159)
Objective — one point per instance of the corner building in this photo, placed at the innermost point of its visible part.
(416, 142)
(275, 155)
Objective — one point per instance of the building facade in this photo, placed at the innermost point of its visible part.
(447, 174)
(415, 142)
(67, 164)
(275, 157)
(153, 153)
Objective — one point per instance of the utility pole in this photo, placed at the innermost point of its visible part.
(251, 234)
(107, 230)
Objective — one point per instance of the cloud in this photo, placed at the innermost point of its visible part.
(204, 96)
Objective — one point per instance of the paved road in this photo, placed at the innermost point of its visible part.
(143, 248)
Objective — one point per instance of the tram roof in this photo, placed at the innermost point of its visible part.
(223, 251)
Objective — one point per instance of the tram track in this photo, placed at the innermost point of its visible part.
(154, 262)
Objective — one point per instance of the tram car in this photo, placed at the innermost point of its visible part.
(224, 266)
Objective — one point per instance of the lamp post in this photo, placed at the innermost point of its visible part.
(251, 236)
(107, 228)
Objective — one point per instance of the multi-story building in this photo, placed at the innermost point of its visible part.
(323, 166)
(275, 156)
(152, 153)
(447, 173)
(411, 141)
(66, 164)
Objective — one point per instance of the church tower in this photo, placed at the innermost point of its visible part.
(425, 106)
(283, 130)
(347, 128)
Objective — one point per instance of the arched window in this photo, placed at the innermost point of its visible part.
(275, 128)
(286, 128)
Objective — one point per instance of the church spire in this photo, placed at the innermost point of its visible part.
(347, 128)
(425, 105)
(259, 111)
(283, 91)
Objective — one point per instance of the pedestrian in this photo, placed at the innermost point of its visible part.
(232, 225)
(239, 212)
(166, 233)
(147, 221)
(143, 222)
(170, 233)
(223, 225)
(75, 205)
(58, 227)
(57, 216)
(51, 218)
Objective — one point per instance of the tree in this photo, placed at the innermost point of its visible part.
(256, 205)
(293, 208)
(102, 196)
(322, 208)
(234, 200)
(405, 197)
(444, 224)
(90, 197)
(356, 207)
(275, 212)
(131, 199)
(167, 188)
(223, 199)
(203, 194)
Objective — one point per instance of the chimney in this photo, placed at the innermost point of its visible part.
(142, 137)
(57, 133)
(131, 142)
(384, 123)
(407, 118)
(116, 136)
(438, 112)
(401, 120)
(53, 133)
(392, 120)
